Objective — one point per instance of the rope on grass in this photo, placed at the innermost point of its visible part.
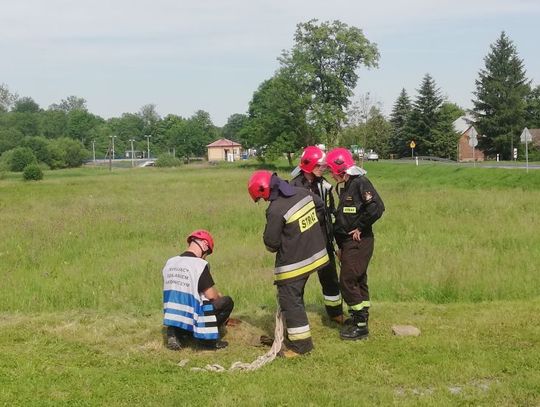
(261, 360)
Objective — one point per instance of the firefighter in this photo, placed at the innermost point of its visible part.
(309, 175)
(192, 305)
(294, 233)
(359, 207)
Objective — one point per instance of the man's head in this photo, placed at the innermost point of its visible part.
(203, 240)
(312, 161)
(259, 185)
(339, 160)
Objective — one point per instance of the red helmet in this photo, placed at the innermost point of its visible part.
(203, 235)
(339, 160)
(259, 185)
(311, 157)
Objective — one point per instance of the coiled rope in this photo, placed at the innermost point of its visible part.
(261, 360)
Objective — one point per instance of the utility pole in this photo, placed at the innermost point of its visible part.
(94, 150)
(112, 138)
(148, 137)
(132, 152)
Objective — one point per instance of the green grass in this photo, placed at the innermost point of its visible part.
(81, 252)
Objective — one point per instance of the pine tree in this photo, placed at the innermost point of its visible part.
(500, 102)
(445, 138)
(399, 138)
(424, 117)
(533, 109)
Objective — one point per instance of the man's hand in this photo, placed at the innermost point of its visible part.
(212, 293)
(355, 234)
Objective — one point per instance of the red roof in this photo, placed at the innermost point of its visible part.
(535, 134)
(223, 142)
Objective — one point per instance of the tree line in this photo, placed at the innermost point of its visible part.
(308, 100)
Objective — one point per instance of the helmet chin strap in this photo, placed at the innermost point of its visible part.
(200, 247)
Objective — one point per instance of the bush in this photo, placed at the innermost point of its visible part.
(5, 160)
(66, 153)
(32, 172)
(20, 158)
(166, 160)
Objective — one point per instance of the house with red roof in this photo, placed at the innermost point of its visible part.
(224, 150)
(464, 126)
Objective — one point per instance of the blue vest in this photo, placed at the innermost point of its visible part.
(183, 306)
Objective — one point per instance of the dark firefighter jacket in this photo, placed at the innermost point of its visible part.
(359, 207)
(323, 189)
(294, 233)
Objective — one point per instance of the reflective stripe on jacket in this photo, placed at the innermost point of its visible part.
(183, 306)
(294, 233)
(323, 189)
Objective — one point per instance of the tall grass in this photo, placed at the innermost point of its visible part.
(88, 238)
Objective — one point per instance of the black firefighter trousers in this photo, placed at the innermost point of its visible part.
(328, 278)
(291, 301)
(355, 257)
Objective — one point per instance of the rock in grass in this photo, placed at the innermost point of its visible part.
(405, 330)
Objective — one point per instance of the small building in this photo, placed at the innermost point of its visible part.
(465, 128)
(224, 150)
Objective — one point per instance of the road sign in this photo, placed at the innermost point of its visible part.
(515, 153)
(526, 136)
(473, 141)
(413, 144)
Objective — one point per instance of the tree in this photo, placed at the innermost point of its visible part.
(7, 99)
(277, 118)
(371, 133)
(40, 148)
(53, 123)
(66, 152)
(9, 139)
(69, 104)
(378, 131)
(445, 138)
(128, 126)
(26, 105)
(500, 104)
(533, 109)
(203, 132)
(80, 124)
(323, 63)
(423, 118)
(150, 119)
(189, 137)
(399, 118)
(233, 127)
(20, 158)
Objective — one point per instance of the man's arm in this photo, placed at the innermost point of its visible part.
(373, 204)
(272, 231)
(212, 293)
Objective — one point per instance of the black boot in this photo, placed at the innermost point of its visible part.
(211, 344)
(171, 340)
(357, 328)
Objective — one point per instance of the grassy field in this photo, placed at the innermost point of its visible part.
(457, 255)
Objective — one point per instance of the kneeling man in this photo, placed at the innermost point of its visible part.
(192, 305)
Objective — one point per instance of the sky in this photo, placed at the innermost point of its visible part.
(185, 56)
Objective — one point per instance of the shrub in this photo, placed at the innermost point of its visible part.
(32, 172)
(66, 153)
(166, 160)
(5, 160)
(20, 158)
